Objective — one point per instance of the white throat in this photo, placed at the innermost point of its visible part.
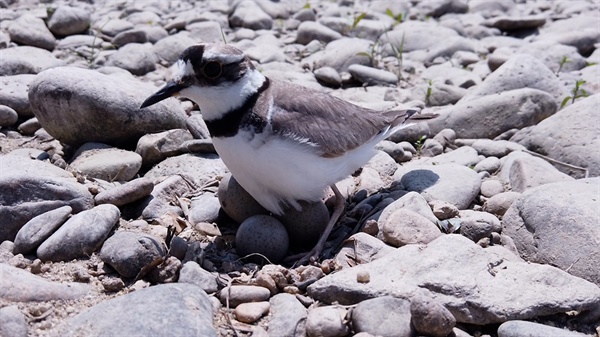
(216, 101)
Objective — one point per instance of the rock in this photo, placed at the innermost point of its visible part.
(524, 328)
(207, 31)
(81, 235)
(570, 136)
(136, 35)
(436, 8)
(430, 318)
(489, 164)
(412, 35)
(340, 54)
(17, 285)
(94, 107)
(38, 229)
(288, 316)
(31, 31)
(158, 203)
(304, 227)
(500, 203)
(384, 316)
(32, 187)
(204, 208)
(113, 26)
(68, 20)
(484, 298)
(236, 202)
(511, 109)
(507, 23)
(524, 171)
(431, 148)
(553, 224)
(251, 312)
(248, 14)
(327, 321)
(129, 252)
(156, 147)
(136, 58)
(363, 248)
(478, 225)
(328, 76)
(26, 60)
(495, 148)
(200, 168)
(372, 76)
(105, 162)
(12, 322)
(443, 210)
(491, 187)
(311, 30)
(464, 155)
(191, 272)
(13, 92)
(127, 193)
(453, 183)
(185, 306)
(29, 127)
(8, 116)
(407, 227)
(169, 48)
(435, 93)
(238, 294)
(262, 235)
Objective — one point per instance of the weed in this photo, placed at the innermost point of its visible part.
(419, 143)
(398, 53)
(373, 54)
(562, 63)
(357, 19)
(398, 18)
(577, 92)
(306, 5)
(429, 91)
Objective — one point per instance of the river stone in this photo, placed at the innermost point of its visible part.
(78, 105)
(26, 60)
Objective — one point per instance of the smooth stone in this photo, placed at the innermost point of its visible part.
(31, 31)
(404, 227)
(464, 155)
(383, 164)
(185, 306)
(495, 148)
(361, 247)
(204, 208)
(262, 237)
(13, 92)
(155, 147)
(126, 193)
(169, 48)
(500, 203)
(524, 171)
(105, 162)
(248, 14)
(453, 183)
(200, 168)
(158, 203)
(340, 54)
(238, 294)
(431, 148)
(430, 318)
(507, 23)
(129, 252)
(477, 225)
(251, 312)
(553, 224)
(412, 35)
(18, 285)
(67, 20)
(81, 235)
(383, 316)
(443, 210)
(394, 150)
(491, 187)
(191, 272)
(8, 116)
(288, 316)
(411, 201)
(136, 35)
(12, 322)
(437, 93)
(27, 60)
(372, 76)
(328, 321)
(311, 30)
(29, 127)
(113, 26)
(328, 76)
(519, 328)
(137, 58)
(489, 164)
(472, 296)
(94, 107)
(38, 229)
(236, 202)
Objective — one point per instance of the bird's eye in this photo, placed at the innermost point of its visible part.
(212, 69)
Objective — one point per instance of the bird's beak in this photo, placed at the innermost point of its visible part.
(170, 89)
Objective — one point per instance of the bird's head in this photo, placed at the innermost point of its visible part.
(217, 77)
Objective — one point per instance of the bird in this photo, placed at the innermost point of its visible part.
(283, 142)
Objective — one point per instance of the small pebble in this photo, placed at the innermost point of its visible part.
(112, 284)
(251, 312)
(363, 276)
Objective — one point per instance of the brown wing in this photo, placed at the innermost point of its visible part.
(334, 125)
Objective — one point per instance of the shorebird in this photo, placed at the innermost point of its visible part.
(282, 142)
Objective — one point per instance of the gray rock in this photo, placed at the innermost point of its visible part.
(29, 127)
(361, 247)
(251, 312)
(511, 289)
(445, 50)
(523, 171)
(491, 187)
(32, 187)
(575, 136)
(248, 14)
(412, 35)
(327, 321)
(127, 193)
(136, 58)
(12, 322)
(430, 318)
(489, 164)
(158, 203)
(26, 60)
(411, 201)
(438, 8)
(129, 252)
(155, 147)
(431, 148)
(449, 74)
(113, 26)
(310, 30)
(443, 210)
(191, 272)
(404, 227)
(260, 237)
(478, 225)
(202, 168)
(207, 31)
(306, 14)
(18, 285)
(169, 48)
(500, 203)
(576, 31)
(453, 183)
(383, 164)
(238, 294)
(508, 23)
(136, 35)
(154, 33)
(511, 109)
(553, 224)
(372, 76)
(437, 94)
(384, 316)
(68, 20)
(464, 155)
(13, 92)
(340, 54)
(328, 76)
(75, 41)
(552, 54)
(94, 107)
(38, 229)
(105, 162)
(81, 235)
(31, 31)
(495, 148)
(185, 306)
(524, 328)
(8, 116)
(288, 316)
(204, 208)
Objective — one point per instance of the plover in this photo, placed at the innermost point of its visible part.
(282, 142)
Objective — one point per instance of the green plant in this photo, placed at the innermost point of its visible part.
(398, 18)
(357, 19)
(398, 53)
(419, 143)
(562, 63)
(306, 5)
(428, 92)
(577, 92)
(93, 54)
(373, 54)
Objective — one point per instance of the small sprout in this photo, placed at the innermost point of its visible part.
(562, 63)
(357, 19)
(577, 92)
(419, 143)
(306, 6)
(398, 18)
(429, 91)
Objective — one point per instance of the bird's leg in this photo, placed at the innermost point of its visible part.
(337, 212)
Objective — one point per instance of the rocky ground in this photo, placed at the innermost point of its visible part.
(483, 221)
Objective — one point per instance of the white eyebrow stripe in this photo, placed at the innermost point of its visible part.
(224, 57)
